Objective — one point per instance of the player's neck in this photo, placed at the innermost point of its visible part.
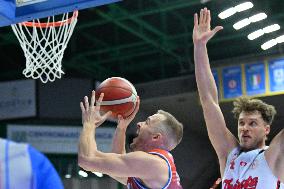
(260, 147)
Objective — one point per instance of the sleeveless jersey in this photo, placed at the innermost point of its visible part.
(249, 170)
(23, 167)
(12, 157)
(173, 181)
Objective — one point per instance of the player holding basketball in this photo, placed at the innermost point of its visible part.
(150, 165)
(246, 163)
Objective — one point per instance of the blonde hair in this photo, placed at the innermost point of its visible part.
(173, 127)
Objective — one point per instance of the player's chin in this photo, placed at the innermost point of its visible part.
(246, 147)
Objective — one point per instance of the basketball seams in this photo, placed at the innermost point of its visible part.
(126, 81)
(130, 84)
(132, 98)
(120, 96)
(113, 87)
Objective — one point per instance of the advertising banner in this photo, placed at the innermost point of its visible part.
(276, 75)
(232, 82)
(58, 139)
(255, 79)
(17, 99)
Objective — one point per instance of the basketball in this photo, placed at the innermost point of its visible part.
(120, 96)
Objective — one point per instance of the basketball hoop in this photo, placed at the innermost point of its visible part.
(43, 44)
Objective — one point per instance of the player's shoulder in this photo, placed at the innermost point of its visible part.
(143, 156)
(161, 153)
(137, 153)
(35, 152)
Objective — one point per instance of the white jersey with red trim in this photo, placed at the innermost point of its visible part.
(249, 170)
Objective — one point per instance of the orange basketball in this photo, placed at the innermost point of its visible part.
(120, 96)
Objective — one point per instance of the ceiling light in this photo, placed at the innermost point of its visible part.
(258, 17)
(227, 13)
(83, 173)
(232, 10)
(242, 23)
(204, 1)
(255, 34)
(260, 32)
(247, 21)
(271, 28)
(67, 176)
(280, 39)
(269, 44)
(243, 6)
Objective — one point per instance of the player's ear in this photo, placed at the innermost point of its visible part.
(267, 129)
(157, 136)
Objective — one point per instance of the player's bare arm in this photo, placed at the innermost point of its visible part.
(275, 156)
(118, 143)
(221, 138)
(135, 164)
(91, 119)
(119, 139)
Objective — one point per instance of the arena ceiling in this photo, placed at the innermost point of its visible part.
(146, 40)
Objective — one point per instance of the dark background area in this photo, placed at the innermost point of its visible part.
(147, 40)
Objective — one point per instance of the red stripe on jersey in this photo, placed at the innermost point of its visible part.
(175, 181)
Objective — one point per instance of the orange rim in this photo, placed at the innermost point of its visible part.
(51, 24)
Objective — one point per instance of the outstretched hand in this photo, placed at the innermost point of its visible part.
(91, 111)
(124, 122)
(202, 32)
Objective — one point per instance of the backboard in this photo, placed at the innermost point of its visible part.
(15, 11)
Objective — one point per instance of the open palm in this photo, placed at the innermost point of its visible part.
(91, 111)
(201, 31)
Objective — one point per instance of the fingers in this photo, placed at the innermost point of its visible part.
(201, 16)
(93, 99)
(216, 29)
(137, 105)
(204, 17)
(83, 111)
(86, 103)
(133, 114)
(82, 107)
(195, 20)
(119, 117)
(99, 101)
(107, 115)
(208, 17)
(85, 106)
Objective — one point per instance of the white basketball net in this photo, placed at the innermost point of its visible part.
(44, 45)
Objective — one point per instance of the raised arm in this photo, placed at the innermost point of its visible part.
(119, 139)
(275, 155)
(91, 119)
(221, 138)
(118, 143)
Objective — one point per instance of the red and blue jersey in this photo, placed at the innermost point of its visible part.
(173, 181)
